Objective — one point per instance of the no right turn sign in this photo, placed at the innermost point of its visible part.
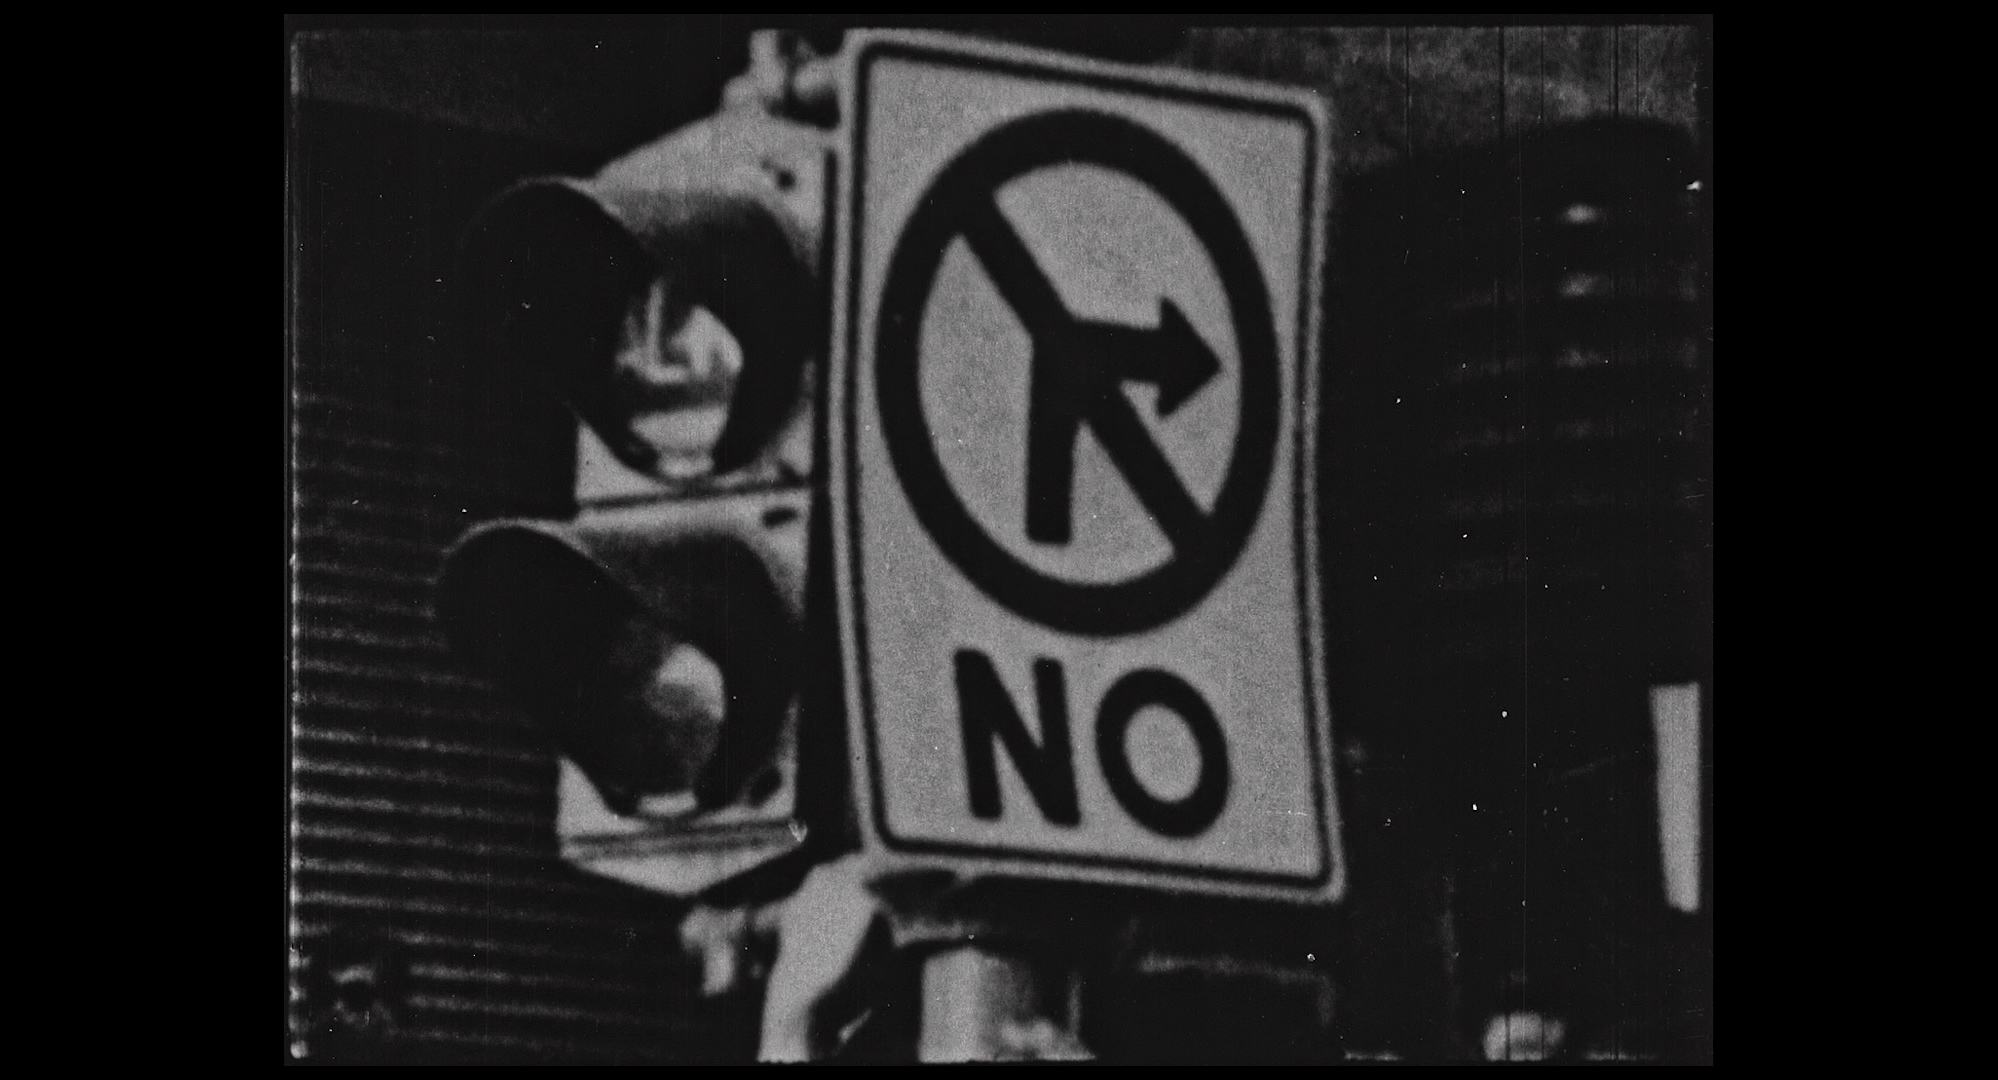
(1072, 410)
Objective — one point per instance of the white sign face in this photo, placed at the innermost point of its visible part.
(1071, 418)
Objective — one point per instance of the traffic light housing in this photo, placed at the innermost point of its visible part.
(659, 646)
(674, 302)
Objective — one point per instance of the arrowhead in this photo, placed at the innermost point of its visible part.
(1183, 363)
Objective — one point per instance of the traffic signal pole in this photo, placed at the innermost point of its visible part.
(980, 1004)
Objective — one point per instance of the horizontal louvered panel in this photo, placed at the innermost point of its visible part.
(455, 915)
(459, 499)
(400, 716)
(451, 498)
(1583, 436)
(1621, 326)
(350, 705)
(363, 642)
(338, 480)
(312, 796)
(376, 416)
(375, 452)
(1601, 392)
(524, 1018)
(472, 874)
(353, 548)
(597, 988)
(364, 358)
(430, 508)
(398, 840)
(424, 824)
(473, 1038)
(360, 639)
(507, 753)
(393, 438)
(571, 961)
(1565, 586)
(542, 902)
(440, 1044)
(347, 846)
(417, 560)
(385, 522)
(474, 783)
(613, 915)
(325, 615)
(1562, 540)
(334, 792)
(1478, 597)
(1613, 495)
(433, 689)
(431, 674)
(446, 494)
(501, 730)
(363, 595)
(361, 589)
(435, 1042)
(1630, 360)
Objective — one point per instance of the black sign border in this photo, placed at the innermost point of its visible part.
(872, 52)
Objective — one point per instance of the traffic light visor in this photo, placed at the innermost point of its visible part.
(613, 641)
(675, 323)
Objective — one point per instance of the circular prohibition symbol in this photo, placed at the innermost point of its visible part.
(1077, 371)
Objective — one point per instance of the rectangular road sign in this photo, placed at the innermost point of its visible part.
(1072, 411)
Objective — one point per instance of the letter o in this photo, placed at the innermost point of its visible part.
(1191, 815)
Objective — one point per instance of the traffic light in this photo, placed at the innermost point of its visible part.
(674, 302)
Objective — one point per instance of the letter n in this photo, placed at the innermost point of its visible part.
(987, 714)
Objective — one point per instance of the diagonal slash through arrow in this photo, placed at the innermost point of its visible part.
(1077, 370)
(1077, 378)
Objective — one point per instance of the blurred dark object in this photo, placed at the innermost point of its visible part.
(1517, 544)
(355, 986)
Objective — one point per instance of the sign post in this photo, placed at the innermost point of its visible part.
(1071, 414)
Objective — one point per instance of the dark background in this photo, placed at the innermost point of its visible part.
(1517, 521)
